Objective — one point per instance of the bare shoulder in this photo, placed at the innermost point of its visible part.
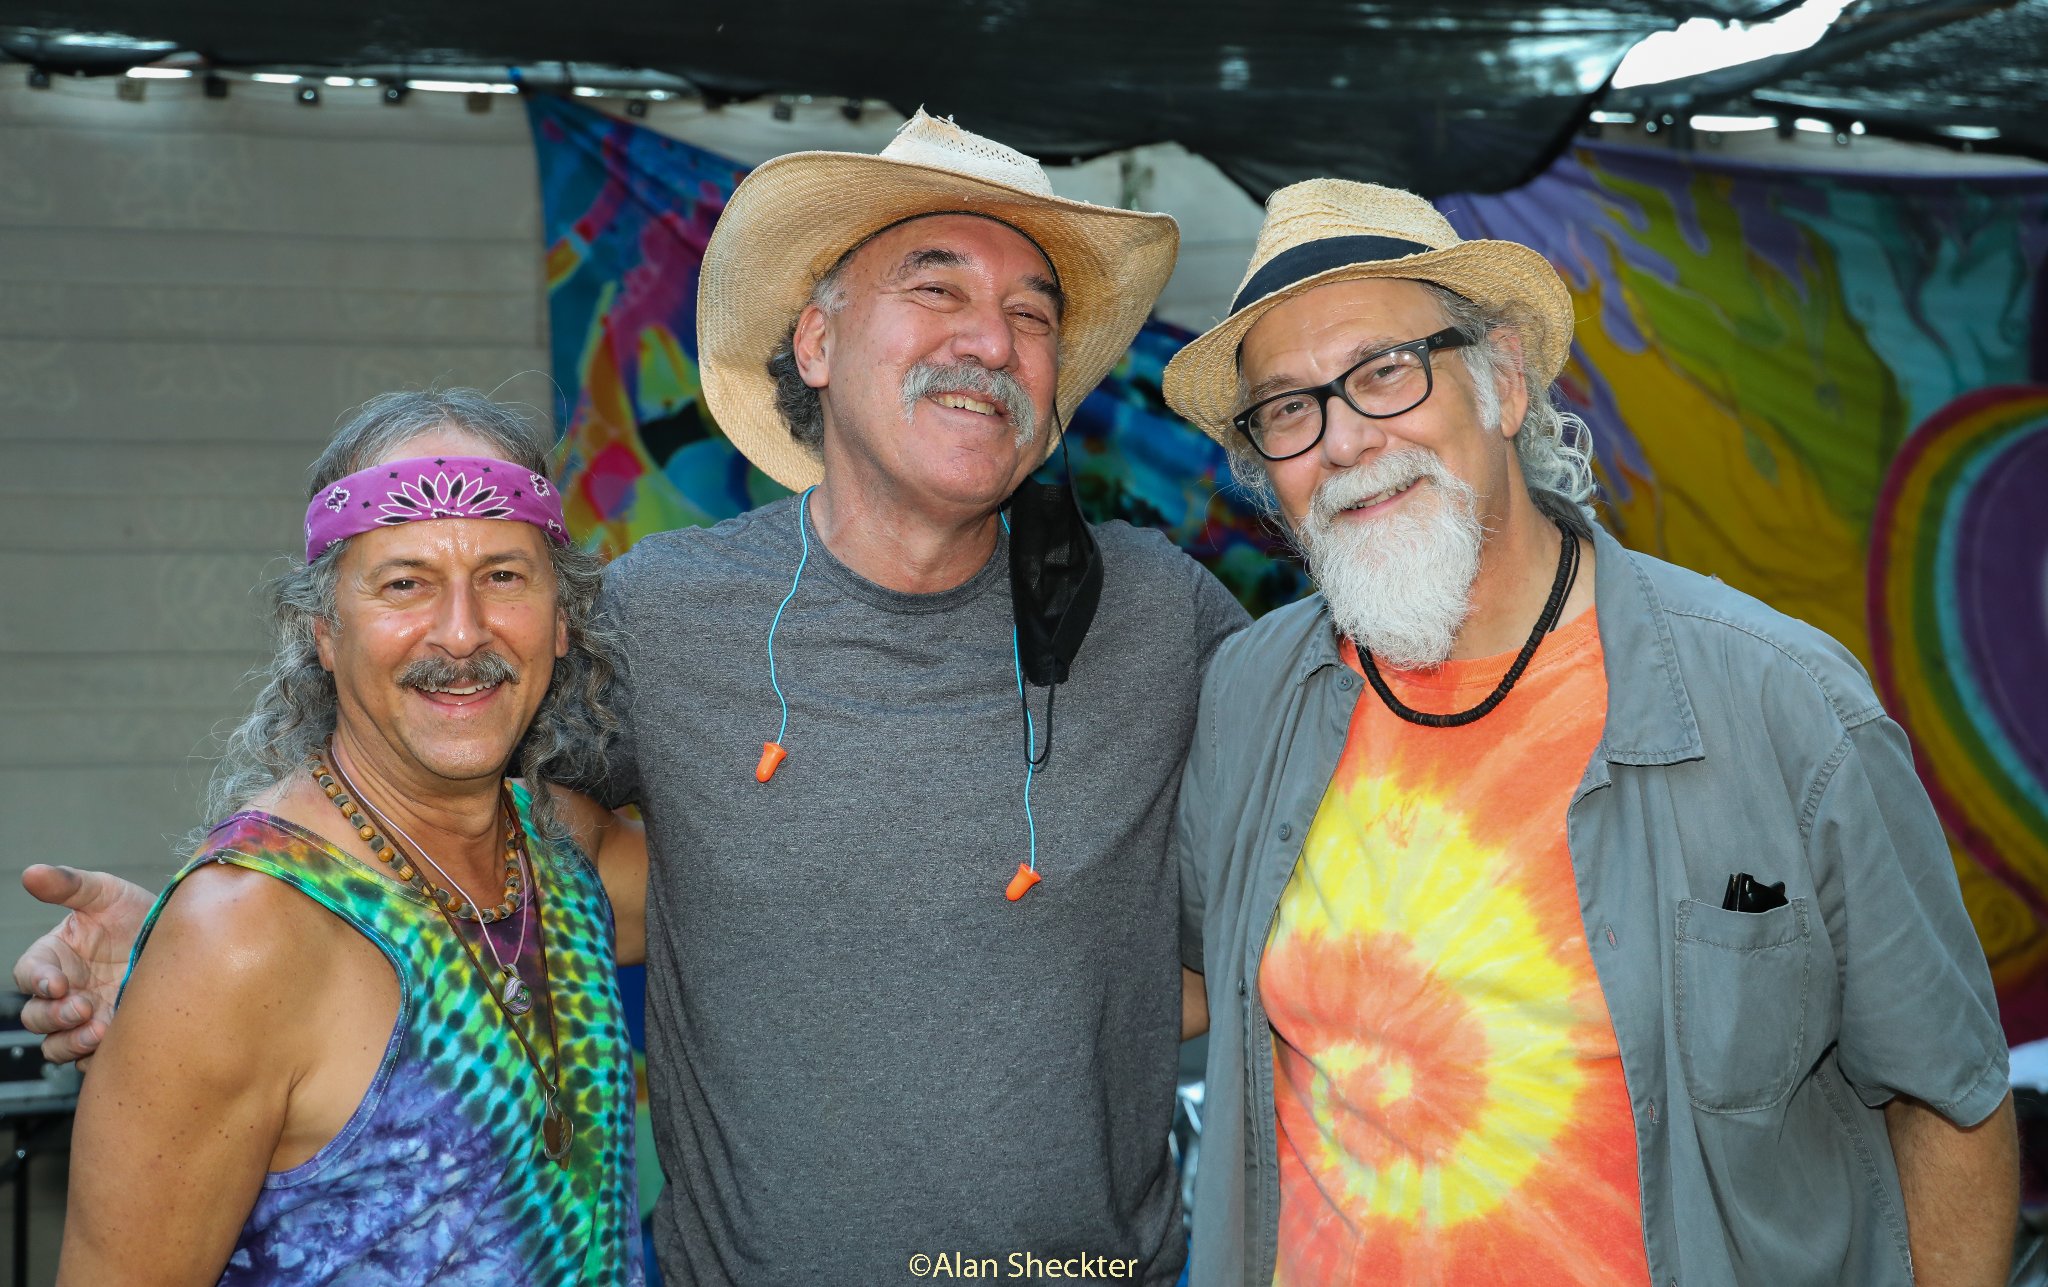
(240, 932)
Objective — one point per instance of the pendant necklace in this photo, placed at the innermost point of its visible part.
(513, 993)
(513, 998)
(1553, 607)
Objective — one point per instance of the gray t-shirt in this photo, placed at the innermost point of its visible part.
(858, 1050)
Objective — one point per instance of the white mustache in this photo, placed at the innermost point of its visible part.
(999, 387)
(1387, 472)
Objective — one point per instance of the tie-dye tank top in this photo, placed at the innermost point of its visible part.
(439, 1177)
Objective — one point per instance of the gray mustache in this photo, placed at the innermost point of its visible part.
(1000, 387)
(444, 672)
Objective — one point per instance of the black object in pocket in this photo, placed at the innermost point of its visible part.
(1748, 894)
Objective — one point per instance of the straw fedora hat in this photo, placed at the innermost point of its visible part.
(1332, 230)
(790, 220)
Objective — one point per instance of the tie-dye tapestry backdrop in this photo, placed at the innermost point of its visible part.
(1831, 390)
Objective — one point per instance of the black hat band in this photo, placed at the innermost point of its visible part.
(1311, 257)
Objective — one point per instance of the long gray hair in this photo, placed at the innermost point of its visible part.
(1554, 447)
(295, 711)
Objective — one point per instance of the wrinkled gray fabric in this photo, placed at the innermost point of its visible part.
(858, 1050)
(1757, 1047)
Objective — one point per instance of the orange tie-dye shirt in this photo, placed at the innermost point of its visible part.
(1449, 1092)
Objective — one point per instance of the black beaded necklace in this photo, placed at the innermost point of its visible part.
(1560, 590)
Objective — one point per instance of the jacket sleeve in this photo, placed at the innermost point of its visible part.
(1919, 1017)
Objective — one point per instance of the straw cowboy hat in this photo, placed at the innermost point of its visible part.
(1332, 230)
(793, 218)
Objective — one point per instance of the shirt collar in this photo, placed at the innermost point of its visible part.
(1321, 651)
(1649, 712)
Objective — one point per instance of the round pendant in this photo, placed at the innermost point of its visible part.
(556, 1135)
(517, 997)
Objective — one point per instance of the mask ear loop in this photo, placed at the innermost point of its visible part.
(774, 753)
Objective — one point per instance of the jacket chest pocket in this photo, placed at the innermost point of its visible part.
(1742, 998)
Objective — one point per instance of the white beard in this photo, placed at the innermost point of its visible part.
(1401, 585)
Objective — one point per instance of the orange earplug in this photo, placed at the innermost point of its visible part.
(772, 756)
(1021, 882)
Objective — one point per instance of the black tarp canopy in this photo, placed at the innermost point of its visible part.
(1986, 68)
(1448, 96)
(1931, 70)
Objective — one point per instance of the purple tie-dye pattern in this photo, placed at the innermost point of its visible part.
(412, 1149)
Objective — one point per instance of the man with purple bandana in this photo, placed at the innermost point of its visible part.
(372, 1031)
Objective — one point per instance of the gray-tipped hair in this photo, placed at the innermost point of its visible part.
(295, 711)
(1554, 447)
(801, 406)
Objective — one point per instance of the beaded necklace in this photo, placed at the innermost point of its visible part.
(1553, 607)
(349, 800)
(512, 989)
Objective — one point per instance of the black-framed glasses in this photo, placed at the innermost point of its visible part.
(1379, 386)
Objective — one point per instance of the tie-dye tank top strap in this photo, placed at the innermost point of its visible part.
(439, 1177)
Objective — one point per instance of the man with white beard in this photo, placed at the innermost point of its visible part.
(1566, 917)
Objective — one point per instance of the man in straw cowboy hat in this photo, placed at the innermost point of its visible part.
(862, 1054)
(860, 1050)
(1566, 917)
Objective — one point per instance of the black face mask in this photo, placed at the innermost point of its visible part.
(1055, 579)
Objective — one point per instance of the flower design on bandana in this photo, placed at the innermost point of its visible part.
(442, 496)
(540, 485)
(336, 498)
(555, 531)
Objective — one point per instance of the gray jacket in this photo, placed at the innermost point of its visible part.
(1758, 1047)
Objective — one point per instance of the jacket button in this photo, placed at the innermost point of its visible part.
(1344, 682)
(1240, 987)
(1286, 830)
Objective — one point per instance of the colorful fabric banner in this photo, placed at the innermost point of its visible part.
(1830, 389)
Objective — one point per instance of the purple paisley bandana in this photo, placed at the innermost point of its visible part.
(409, 491)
